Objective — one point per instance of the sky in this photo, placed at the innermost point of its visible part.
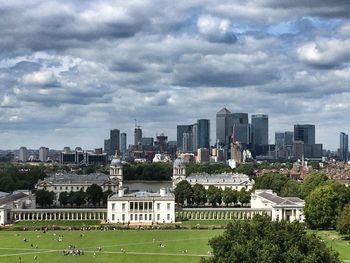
(72, 70)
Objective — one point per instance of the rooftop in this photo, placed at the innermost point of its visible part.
(12, 197)
(277, 200)
(63, 178)
(224, 178)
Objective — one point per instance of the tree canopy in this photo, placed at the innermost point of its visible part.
(183, 192)
(343, 224)
(264, 241)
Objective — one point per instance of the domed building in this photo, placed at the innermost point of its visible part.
(179, 171)
(116, 170)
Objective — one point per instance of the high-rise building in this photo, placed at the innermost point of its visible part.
(203, 155)
(23, 154)
(260, 133)
(280, 140)
(187, 145)
(203, 133)
(288, 138)
(240, 118)
(298, 149)
(43, 154)
(224, 125)
(181, 129)
(305, 133)
(107, 146)
(114, 142)
(194, 137)
(344, 147)
(161, 143)
(137, 136)
(123, 140)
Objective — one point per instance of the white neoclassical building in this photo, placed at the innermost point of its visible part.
(141, 207)
(282, 208)
(71, 182)
(235, 181)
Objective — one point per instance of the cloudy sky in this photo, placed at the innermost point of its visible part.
(72, 70)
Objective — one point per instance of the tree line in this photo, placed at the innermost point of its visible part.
(197, 195)
(93, 195)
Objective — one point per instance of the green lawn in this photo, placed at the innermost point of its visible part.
(140, 245)
(336, 242)
(39, 223)
(206, 222)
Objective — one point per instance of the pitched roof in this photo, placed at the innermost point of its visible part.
(223, 111)
(277, 200)
(12, 197)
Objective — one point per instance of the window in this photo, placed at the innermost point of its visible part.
(131, 217)
(150, 217)
(60, 187)
(141, 205)
(158, 217)
(77, 187)
(146, 205)
(135, 217)
(145, 217)
(55, 188)
(140, 217)
(168, 217)
(168, 206)
(66, 187)
(123, 207)
(123, 217)
(158, 206)
(136, 205)
(150, 205)
(131, 206)
(113, 217)
(113, 206)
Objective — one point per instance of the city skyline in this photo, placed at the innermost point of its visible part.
(71, 71)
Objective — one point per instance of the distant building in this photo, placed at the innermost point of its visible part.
(23, 154)
(224, 125)
(96, 157)
(141, 207)
(187, 141)
(137, 136)
(107, 146)
(298, 149)
(43, 154)
(123, 143)
(237, 152)
(161, 158)
(161, 143)
(343, 146)
(234, 181)
(282, 208)
(305, 133)
(147, 143)
(260, 133)
(180, 131)
(114, 142)
(203, 155)
(203, 133)
(194, 137)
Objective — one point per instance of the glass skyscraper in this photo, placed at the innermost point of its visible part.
(260, 127)
(344, 146)
(305, 133)
(203, 137)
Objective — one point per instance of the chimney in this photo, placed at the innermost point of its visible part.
(121, 192)
(162, 192)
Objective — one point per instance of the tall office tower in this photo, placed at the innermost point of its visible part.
(123, 140)
(114, 142)
(194, 137)
(203, 133)
(203, 155)
(298, 149)
(161, 143)
(260, 130)
(107, 146)
(240, 118)
(288, 138)
(280, 140)
(344, 147)
(241, 128)
(180, 130)
(43, 154)
(187, 144)
(137, 136)
(305, 133)
(23, 154)
(224, 126)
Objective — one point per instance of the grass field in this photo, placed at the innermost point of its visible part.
(40, 223)
(140, 245)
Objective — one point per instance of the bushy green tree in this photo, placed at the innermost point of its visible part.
(44, 198)
(94, 194)
(63, 198)
(244, 196)
(263, 241)
(214, 195)
(343, 224)
(274, 181)
(229, 196)
(199, 194)
(183, 192)
(321, 207)
(245, 168)
(311, 182)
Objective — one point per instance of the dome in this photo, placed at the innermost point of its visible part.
(179, 163)
(116, 162)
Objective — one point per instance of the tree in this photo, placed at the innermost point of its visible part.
(63, 198)
(264, 241)
(94, 194)
(183, 192)
(105, 196)
(311, 182)
(291, 188)
(244, 196)
(44, 198)
(229, 196)
(343, 224)
(245, 168)
(77, 198)
(214, 195)
(320, 207)
(274, 181)
(199, 194)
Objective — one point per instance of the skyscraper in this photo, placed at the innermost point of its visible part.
(305, 133)
(123, 140)
(260, 127)
(194, 137)
(280, 139)
(344, 147)
(203, 133)
(181, 129)
(187, 144)
(224, 125)
(107, 146)
(23, 154)
(288, 138)
(114, 142)
(43, 154)
(137, 136)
